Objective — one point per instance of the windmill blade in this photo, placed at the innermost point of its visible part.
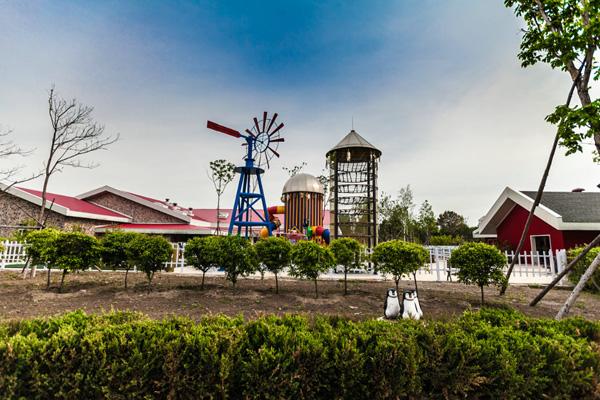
(272, 122)
(276, 129)
(264, 120)
(223, 129)
(249, 132)
(256, 125)
(273, 150)
(278, 140)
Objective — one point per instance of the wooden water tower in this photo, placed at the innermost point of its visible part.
(353, 165)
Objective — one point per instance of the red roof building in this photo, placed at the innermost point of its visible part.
(563, 220)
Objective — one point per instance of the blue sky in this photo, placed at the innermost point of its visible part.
(435, 85)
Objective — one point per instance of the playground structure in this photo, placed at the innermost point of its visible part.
(261, 145)
(302, 196)
(353, 166)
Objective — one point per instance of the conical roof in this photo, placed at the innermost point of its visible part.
(353, 139)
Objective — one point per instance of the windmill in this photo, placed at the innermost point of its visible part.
(261, 141)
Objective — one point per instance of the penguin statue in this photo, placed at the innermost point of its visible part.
(411, 309)
(391, 306)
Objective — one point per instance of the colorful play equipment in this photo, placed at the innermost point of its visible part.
(261, 141)
(303, 211)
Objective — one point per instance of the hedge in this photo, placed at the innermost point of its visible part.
(593, 285)
(488, 354)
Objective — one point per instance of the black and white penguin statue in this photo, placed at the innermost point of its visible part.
(391, 306)
(411, 309)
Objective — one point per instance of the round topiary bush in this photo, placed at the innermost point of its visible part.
(593, 285)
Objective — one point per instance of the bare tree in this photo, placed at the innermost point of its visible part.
(74, 134)
(221, 174)
(9, 175)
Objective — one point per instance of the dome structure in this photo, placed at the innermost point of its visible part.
(304, 183)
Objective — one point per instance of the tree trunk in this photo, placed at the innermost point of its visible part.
(218, 212)
(62, 281)
(150, 276)
(416, 287)
(580, 285)
(482, 301)
(541, 187)
(276, 285)
(397, 281)
(24, 270)
(126, 273)
(345, 281)
(565, 271)
(316, 290)
(202, 284)
(48, 278)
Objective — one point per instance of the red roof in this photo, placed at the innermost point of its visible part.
(74, 204)
(210, 215)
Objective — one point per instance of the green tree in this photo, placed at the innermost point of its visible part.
(275, 254)
(593, 285)
(203, 253)
(480, 264)
(149, 254)
(40, 249)
(426, 223)
(565, 34)
(398, 258)
(309, 260)
(114, 250)
(347, 252)
(237, 257)
(397, 219)
(453, 224)
(75, 251)
(221, 174)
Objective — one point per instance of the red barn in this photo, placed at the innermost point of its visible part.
(562, 220)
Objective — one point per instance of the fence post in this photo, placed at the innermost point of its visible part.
(3, 255)
(437, 264)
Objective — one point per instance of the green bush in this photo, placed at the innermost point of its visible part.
(593, 285)
(74, 251)
(237, 256)
(490, 354)
(149, 254)
(203, 253)
(114, 250)
(398, 258)
(309, 260)
(275, 254)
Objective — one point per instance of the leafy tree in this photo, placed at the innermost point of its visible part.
(445, 240)
(149, 254)
(593, 284)
(114, 250)
(398, 258)
(275, 254)
(347, 253)
(396, 216)
(237, 257)
(203, 253)
(221, 174)
(565, 34)
(426, 223)
(309, 260)
(75, 251)
(41, 249)
(480, 264)
(453, 224)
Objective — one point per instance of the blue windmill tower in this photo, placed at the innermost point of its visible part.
(261, 141)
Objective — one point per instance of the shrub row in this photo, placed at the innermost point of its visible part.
(489, 354)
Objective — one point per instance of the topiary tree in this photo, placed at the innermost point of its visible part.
(203, 253)
(237, 257)
(40, 249)
(75, 251)
(398, 258)
(149, 254)
(593, 284)
(113, 250)
(480, 264)
(309, 260)
(275, 254)
(347, 253)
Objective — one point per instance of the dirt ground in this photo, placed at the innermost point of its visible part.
(172, 294)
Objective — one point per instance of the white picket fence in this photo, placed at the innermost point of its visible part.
(531, 267)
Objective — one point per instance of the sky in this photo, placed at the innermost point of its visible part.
(436, 86)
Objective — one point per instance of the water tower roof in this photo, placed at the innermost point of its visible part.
(353, 139)
(303, 183)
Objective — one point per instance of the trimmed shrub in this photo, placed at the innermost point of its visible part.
(149, 254)
(203, 253)
(275, 254)
(309, 260)
(398, 258)
(114, 250)
(489, 354)
(237, 256)
(347, 252)
(74, 251)
(593, 285)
